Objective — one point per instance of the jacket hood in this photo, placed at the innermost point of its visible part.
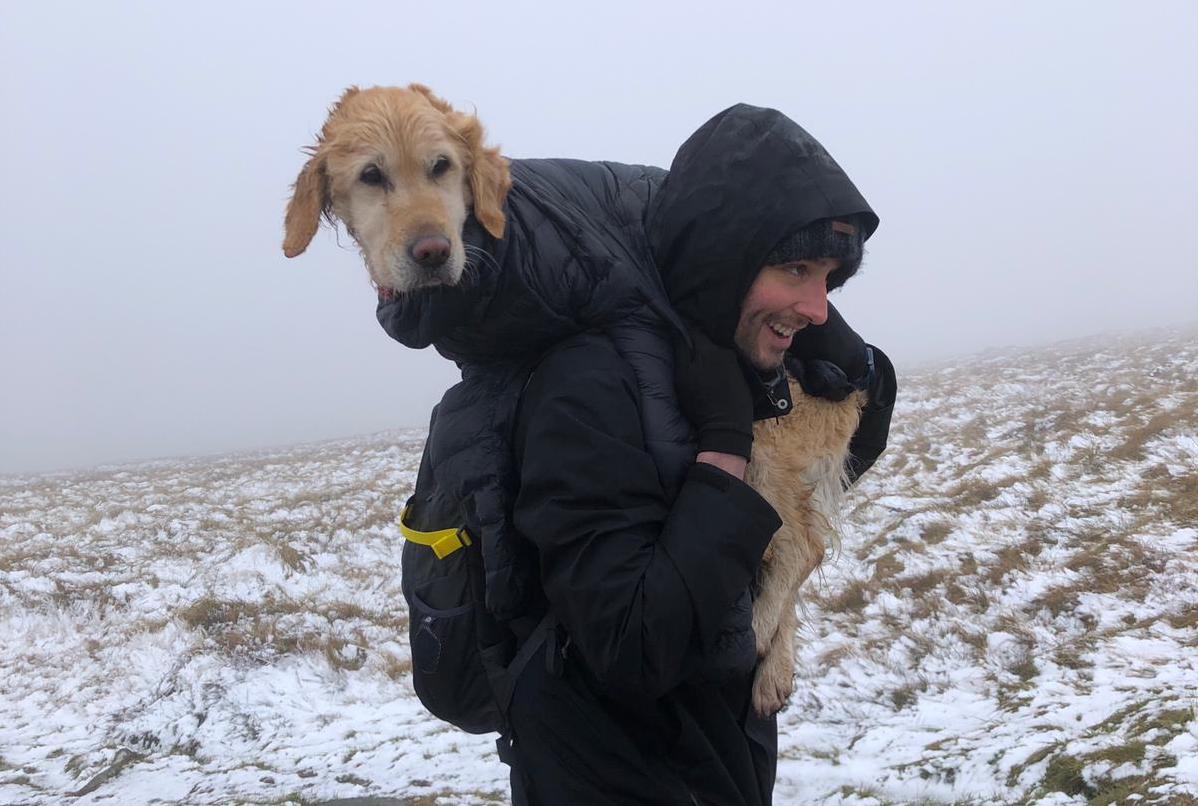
(745, 180)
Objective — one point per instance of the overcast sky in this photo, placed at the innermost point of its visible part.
(1034, 166)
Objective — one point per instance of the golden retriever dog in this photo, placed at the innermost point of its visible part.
(798, 466)
(402, 169)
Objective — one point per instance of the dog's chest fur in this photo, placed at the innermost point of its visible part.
(798, 467)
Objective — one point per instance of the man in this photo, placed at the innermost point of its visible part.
(646, 537)
(581, 546)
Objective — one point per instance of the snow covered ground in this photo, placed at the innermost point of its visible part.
(1012, 617)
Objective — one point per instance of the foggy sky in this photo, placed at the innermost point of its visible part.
(1033, 165)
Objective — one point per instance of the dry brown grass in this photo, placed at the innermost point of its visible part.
(967, 565)
(1038, 498)
(927, 607)
(1186, 619)
(20, 557)
(955, 594)
(979, 600)
(1116, 564)
(94, 595)
(1008, 560)
(1136, 438)
(1181, 502)
(1059, 600)
(905, 695)
(1014, 624)
(934, 533)
(1166, 724)
(396, 668)
(852, 598)
(1066, 422)
(259, 629)
(342, 653)
(972, 493)
(832, 657)
(1161, 496)
(887, 566)
(1140, 734)
(1024, 666)
(292, 557)
(1072, 655)
(1034, 543)
(973, 433)
(922, 584)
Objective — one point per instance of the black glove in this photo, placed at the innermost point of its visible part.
(829, 360)
(820, 378)
(870, 438)
(714, 396)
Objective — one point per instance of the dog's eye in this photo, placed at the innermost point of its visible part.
(371, 175)
(440, 166)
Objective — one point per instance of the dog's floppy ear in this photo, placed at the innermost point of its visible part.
(490, 179)
(308, 200)
(310, 194)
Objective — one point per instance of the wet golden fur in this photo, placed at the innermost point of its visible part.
(798, 466)
(797, 460)
(402, 133)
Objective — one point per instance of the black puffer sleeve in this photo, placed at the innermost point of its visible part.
(641, 584)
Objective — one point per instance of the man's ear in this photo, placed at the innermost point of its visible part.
(309, 198)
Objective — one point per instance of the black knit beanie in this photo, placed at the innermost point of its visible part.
(840, 238)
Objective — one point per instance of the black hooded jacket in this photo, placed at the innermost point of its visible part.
(601, 515)
(745, 180)
(740, 184)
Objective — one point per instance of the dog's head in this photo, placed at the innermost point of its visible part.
(401, 168)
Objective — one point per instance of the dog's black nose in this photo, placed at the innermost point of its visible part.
(430, 252)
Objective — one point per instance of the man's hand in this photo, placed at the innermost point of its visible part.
(714, 396)
(829, 360)
(730, 463)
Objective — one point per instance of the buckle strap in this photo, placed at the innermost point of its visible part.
(540, 636)
(443, 542)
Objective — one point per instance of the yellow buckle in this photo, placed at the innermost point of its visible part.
(443, 542)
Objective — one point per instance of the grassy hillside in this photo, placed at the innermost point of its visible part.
(1012, 616)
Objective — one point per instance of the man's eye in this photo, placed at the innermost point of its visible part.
(798, 269)
(371, 175)
(440, 166)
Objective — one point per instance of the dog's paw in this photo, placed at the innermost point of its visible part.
(773, 683)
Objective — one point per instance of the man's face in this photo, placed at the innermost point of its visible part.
(783, 299)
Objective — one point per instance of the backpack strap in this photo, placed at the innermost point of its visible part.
(443, 542)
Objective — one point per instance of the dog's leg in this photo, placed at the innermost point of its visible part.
(774, 681)
(791, 558)
(778, 581)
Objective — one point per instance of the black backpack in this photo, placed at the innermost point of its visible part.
(464, 661)
(441, 573)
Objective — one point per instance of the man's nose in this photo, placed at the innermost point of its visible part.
(814, 304)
